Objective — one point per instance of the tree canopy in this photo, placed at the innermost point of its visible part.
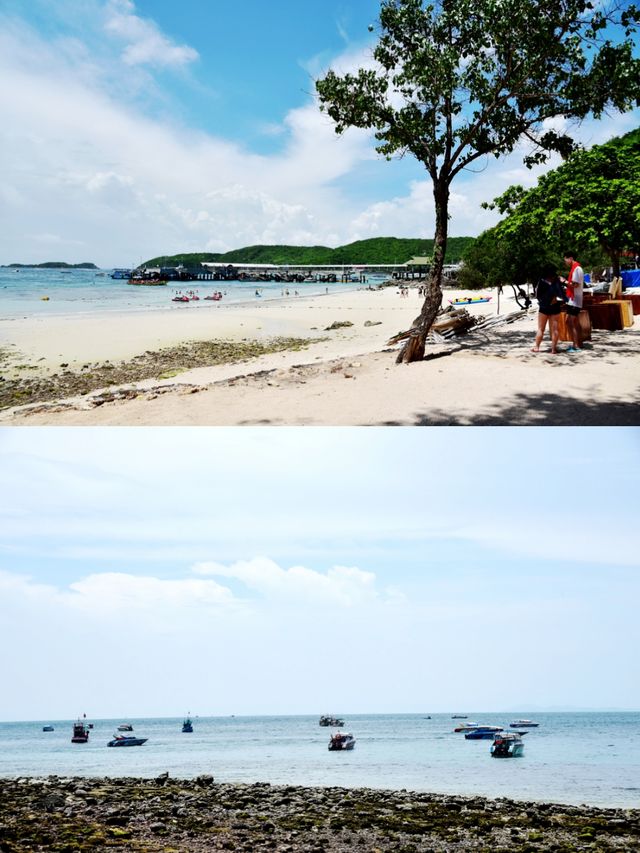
(592, 201)
(453, 81)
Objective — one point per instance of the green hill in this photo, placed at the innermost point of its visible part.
(378, 250)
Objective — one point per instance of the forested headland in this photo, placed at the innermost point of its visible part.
(378, 250)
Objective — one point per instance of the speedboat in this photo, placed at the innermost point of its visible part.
(483, 733)
(341, 740)
(187, 726)
(127, 740)
(458, 716)
(80, 733)
(328, 720)
(125, 727)
(47, 728)
(509, 745)
(180, 299)
(465, 727)
(523, 724)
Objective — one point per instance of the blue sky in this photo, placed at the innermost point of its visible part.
(427, 552)
(133, 128)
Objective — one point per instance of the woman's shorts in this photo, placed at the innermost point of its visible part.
(551, 310)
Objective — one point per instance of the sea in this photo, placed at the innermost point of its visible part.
(95, 292)
(573, 758)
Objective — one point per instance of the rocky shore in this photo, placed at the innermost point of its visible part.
(179, 816)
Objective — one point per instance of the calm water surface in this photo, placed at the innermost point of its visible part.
(84, 292)
(570, 758)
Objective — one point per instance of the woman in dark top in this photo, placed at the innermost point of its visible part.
(551, 297)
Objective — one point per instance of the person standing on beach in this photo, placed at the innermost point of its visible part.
(550, 298)
(574, 286)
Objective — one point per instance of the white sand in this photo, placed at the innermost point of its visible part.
(484, 378)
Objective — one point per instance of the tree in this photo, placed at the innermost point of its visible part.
(457, 80)
(591, 200)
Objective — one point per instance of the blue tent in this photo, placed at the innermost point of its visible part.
(630, 278)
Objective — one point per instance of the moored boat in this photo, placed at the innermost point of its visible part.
(483, 733)
(47, 728)
(125, 727)
(187, 725)
(465, 727)
(524, 724)
(341, 741)
(121, 273)
(507, 745)
(148, 282)
(127, 740)
(80, 733)
(328, 720)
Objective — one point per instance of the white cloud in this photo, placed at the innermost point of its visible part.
(340, 586)
(146, 44)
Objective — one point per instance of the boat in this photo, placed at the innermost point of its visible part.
(465, 727)
(187, 725)
(47, 728)
(524, 724)
(180, 298)
(509, 745)
(127, 740)
(470, 300)
(483, 733)
(125, 727)
(80, 733)
(121, 273)
(216, 297)
(328, 720)
(340, 741)
(148, 282)
(458, 716)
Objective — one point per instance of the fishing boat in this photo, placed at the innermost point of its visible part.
(524, 724)
(340, 741)
(127, 740)
(483, 733)
(470, 300)
(47, 728)
(328, 720)
(509, 745)
(125, 727)
(187, 726)
(80, 733)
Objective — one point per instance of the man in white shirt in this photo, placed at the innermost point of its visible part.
(574, 286)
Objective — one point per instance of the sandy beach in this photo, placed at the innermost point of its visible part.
(343, 376)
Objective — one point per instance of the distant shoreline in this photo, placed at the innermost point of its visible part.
(197, 815)
(52, 265)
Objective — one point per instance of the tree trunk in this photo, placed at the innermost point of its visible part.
(413, 350)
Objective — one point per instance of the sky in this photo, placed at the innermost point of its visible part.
(260, 571)
(133, 128)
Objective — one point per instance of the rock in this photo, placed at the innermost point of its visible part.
(373, 322)
(204, 780)
(162, 778)
(338, 324)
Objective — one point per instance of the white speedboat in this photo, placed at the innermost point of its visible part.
(507, 745)
(341, 740)
(523, 724)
